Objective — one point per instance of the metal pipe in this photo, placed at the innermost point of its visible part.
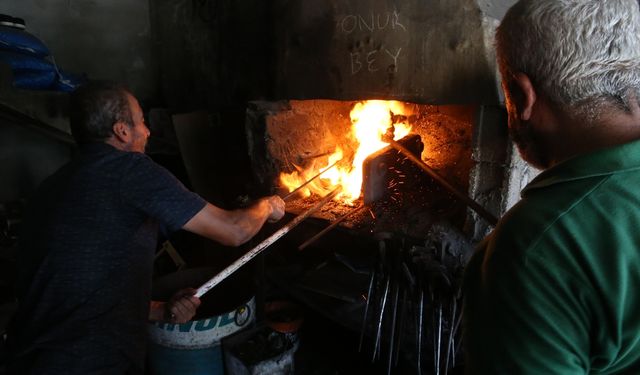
(481, 211)
(263, 245)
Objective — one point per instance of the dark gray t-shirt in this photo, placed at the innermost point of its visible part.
(86, 257)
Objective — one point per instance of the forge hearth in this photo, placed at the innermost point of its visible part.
(287, 136)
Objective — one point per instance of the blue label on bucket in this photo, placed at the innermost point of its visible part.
(202, 333)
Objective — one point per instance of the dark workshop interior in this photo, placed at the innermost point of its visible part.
(246, 98)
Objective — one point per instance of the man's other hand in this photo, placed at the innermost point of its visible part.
(182, 307)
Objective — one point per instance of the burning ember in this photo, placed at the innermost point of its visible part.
(369, 121)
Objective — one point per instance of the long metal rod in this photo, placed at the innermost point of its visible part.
(439, 339)
(403, 311)
(419, 333)
(449, 343)
(327, 229)
(490, 218)
(366, 307)
(380, 319)
(263, 245)
(293, 192)
(394, 307)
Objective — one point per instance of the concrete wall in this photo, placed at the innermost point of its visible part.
(108, 40)
(104, 39)
(212, 54)
(27, 157)
(423, 51)
(495, 8)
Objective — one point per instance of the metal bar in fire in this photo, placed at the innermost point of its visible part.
(293, 192)
(481, 211)
(333, 225)
(264, 244)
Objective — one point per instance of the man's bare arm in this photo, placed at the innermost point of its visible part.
(235, 227)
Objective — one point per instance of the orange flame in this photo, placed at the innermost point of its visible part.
(369, 122)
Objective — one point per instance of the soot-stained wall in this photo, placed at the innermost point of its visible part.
(103, 39)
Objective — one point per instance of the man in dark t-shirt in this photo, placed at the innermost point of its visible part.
(86, 255)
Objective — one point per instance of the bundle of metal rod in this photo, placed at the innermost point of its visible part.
(418, 282)
(481, 211)
(263, 245)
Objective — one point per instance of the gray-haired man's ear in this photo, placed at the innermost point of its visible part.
(525, 97)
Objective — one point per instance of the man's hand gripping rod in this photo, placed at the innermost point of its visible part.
(263, 245)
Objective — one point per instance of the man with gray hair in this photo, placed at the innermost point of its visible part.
(554, 288)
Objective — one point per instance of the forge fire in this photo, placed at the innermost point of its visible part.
(292, 141)
(370, 121)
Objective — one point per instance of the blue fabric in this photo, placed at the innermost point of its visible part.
(68, 82)
(12, 39)
(18, 61)
(86, 256)
(34, 79)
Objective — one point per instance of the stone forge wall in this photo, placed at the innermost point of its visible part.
(287, 133)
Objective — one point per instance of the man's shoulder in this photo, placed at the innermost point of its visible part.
(554, 197)
(130, 157)
(135, 163)
(557, 217)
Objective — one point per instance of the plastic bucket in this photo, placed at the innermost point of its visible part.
(194, 347)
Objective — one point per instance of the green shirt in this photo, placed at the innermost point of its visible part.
(555, 289)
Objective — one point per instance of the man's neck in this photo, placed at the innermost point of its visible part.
(580, 135)
(116, 143)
